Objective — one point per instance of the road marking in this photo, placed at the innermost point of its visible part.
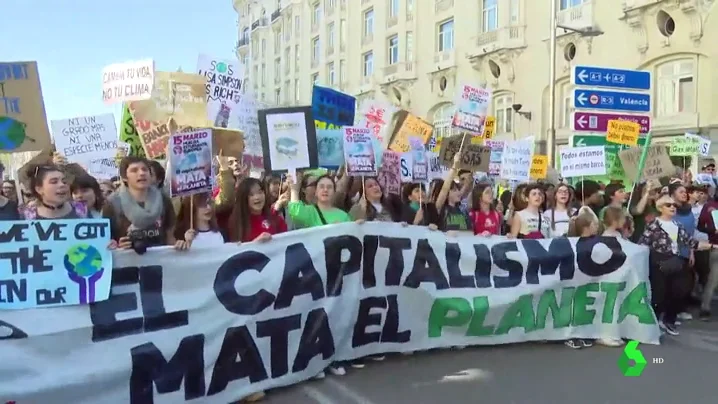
(348, 392)
(317, 395)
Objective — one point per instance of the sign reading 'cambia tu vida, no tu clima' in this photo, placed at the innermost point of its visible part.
(177, 330)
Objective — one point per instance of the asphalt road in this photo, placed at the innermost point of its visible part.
(527, 373)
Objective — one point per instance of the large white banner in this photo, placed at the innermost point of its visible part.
(214, 325)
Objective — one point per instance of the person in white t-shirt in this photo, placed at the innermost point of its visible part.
(204, 232)
(559, 216)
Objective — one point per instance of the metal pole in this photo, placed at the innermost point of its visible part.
(552, 87)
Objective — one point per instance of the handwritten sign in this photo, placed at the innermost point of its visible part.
(684, 146)
(180, 96)
(359, 151)
(408, 126)
(377, 116)
(129, 133)
(489, 128)
(225, 81)
(154, 136)
(191, 162)
(583, 161)
(516, 160)
(623, 132)
(332, 107)
(539, 167)
(86, 138)
(389, 172)
(704, 145)
(54, 263)
(658, 163)
(103, 169)
(23, 124)
(131, 81)
(471, 107)
(473, 157)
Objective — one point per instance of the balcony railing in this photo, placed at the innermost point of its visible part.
(391, 69)
(391, 21)
(443, 5)
(329, 10)
(330, 50)
(409, 16)
(275, 14)
(244, 41)
(343, 5)
(579, 16)
(315, 28)
(342, 47)
(262, 22)
(443, 56)
(315, 63)
(365, 2)
(502, 38)
(367, 39)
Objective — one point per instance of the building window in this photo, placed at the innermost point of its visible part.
(675, 88)
(315, 50)
(245, 34)
(277, 96)
(330, 74)
(255, 47)
(566, 4)
(409, 6)
(287, 58)
(277, 41)
(394, 50)
(409, 46)
(503, 111)
(331, 4)
(245, 60)
(297, 25)
(342, 31)
(369, 22)
(287, 89)
(368, 69)
(442, 121)
(264, 73)
(316, 15)
(566, 106)
(446, 36)
(296, 90)
(514, 12)
(264, 47)
(342, 71)
(330, 36)
(315, 78)
(490, 16)
(393, 8)
(277, 67)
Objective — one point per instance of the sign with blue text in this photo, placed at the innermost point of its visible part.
(611, 100)
(48, 263)
(593, 76)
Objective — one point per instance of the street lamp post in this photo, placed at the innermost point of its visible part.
(584, 32)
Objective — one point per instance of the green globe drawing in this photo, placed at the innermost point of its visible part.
(12, 134)
(221, 67)
(83, 259)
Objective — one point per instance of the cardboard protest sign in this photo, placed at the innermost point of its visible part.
(23, 123)
(583, 161)
(658, 163)
(191, 161)
(224, 86)
(409, 126)
(129, 133)
(473, 157)
(86, 138)
(131, 81)
(389, 176)
(73, 266)
(684, 146)
(229, 141)
(332, 109)
(180, 96)
(154, 136)
(623, 132)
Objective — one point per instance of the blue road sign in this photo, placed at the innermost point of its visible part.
(593, 76)
(611, 100)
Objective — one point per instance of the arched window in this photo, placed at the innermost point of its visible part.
(441, 119)
(503, 112)
(675, 88)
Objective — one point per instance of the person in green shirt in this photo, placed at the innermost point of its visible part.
(320, 213)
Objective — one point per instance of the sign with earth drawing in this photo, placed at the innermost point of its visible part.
(23, 123)
(52, 263)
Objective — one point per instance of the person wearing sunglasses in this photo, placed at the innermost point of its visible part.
(671, 280)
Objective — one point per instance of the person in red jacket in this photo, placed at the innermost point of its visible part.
(707, 225)
(485, 217)
(253, 218)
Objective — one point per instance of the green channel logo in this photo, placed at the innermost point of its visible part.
(632, 353)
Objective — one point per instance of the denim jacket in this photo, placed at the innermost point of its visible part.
(659, 241)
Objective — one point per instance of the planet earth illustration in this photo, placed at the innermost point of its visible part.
(12, 133)
(221, 67)
(83, 259)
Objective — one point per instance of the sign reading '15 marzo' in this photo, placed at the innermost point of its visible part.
(54, 263)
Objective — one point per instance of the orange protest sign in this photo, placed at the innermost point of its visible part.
(539, 167)
(623, 132)
(409, 126)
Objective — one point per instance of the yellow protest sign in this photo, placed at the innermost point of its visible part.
(477, 140)
(409, 126)
(539, 167)
(489, 128)
(623, 132)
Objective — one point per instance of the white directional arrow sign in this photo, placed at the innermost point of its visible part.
(582, 98)
(582, 75)
(582, 121)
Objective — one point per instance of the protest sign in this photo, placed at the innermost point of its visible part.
(23, 123)
(471, 108)
(377, 116)
(332, 109)
(289, 138)
(473, 157)
(489, 128)
(224, 85)
(86, 138)
(704, 146)
(131, 81)
(359, 151)
(623, 132)
(497, 152)
(48, 263)
(583, 161)
(180, 96)
(516, 160)
(419, 166)
(171, 333)
(191, 162)
(129, 133)
(389, 176)
(103, 169)
(406, 163)
(408, 126)
(154, 136)
(539, 167)
(684, 146)
(658, 163)
(614, 169)
(330, 148)
(436, 169)
(249, 125)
